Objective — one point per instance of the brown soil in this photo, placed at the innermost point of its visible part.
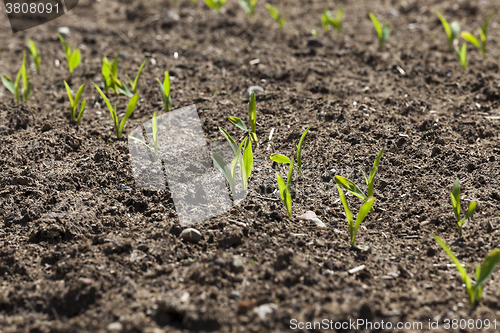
(78, 253)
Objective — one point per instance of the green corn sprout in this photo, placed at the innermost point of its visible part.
(73, 102)
(216, 4)
(483, 272)
(275, 14)
(252, 117)
(370, 180)
(299, 151)
(462, 55)
(248, 6)
(383, 32)
(245, 161)
(363, 211)
(154, 123)
(118, 126)
(481, 42)
(451, 29)
(35, 54)
(111, 81)
(21, 94)
(328, 19)
(165, 92)
(455, 203)
(285, 188)
(134, 84)
(72, 57)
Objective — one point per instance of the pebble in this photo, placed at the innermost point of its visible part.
(255, 90)
(265, 309)
(314, 42)
(234, 295)
(318, 223)
(191, 235)
(220, 262)
(64, 31)
(124, 188)
(237, 264)
(115, 327)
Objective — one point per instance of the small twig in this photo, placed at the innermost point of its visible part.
(265, 198)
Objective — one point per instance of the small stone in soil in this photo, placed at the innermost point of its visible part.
(234, 295)
(115, 327)
(265, 309)
(255, 90)
(124, 188)
(220, 262)
(191, 235)
(237, 264)
(314, 42)
(318, 223)
(64, 31)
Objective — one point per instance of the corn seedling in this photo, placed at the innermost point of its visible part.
(299, 151)
(363, 211)
(370, 180)
(72, 56)
(134, 84)
(165, 92)
(248, 6)
(252, 117)
(154, 125)
(21, 94)
(35, 54)
(481, 42)
(73, 102)
(462, 55)
(215, 4)
(245, 161)
(451, 29)
(110, 80)
(383, 32)
(118, 126)
(275, 14)
(328, 19)
(285, 188)
(483, 272)
(455, 203)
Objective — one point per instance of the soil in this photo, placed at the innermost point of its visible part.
(84, 249)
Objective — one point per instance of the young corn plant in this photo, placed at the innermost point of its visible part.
(248, 6)
(216, 4)
(73, 102)
(483, 272)
(72, 56)
(285, 188)
(462, 55)
(245, 160)
(328, 19)
(451, 29)
(383, 32)
(118, 126)
(154, 125)
(455, 203)
(252, 117)
(135, 84)
(370, 180)
(363, 211)
(35, 55)
(21, 94)
(275, 14)
(165, 92)
(481, 42)
(298, 153)
(110, 80)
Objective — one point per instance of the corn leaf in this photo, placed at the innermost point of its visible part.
(465, 277)
(455, 198)
(377, 25)
(82, 109)
(252, 112)
(487, 268)
(469, 213)
(130, 108)
(35, 55)
(373, 173)
(7, 82)
(228, 137)
(78, 95)
(238, 122)
(471, 39)
(386, 33)
(290, 172)
(74, 60)
(455, 29)
(70, 97)
(348, 212)
(247, 160)
(134, 85)
(363, 211)
(299, 149)
(350, 186)
(221, 165)
(278, 158)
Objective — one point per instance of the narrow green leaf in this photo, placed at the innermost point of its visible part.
(7, 82)
(281, 187)
(221, 165)
(82, 109)
(130, 108)
(78, 95)
(16, 85)
(290, 172)
(70, 97)
(386, 33)
(350, 186)
(363, 211)
(299, 147)
(278, 158)
(455, 29)
(238, 122)
(377, 25)
(228, 137)
(463, 272)
(136, 81)
(488, 267)
(252, 112)
(470, 211)
(74, 60)
(471, 39)
(248, 159)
